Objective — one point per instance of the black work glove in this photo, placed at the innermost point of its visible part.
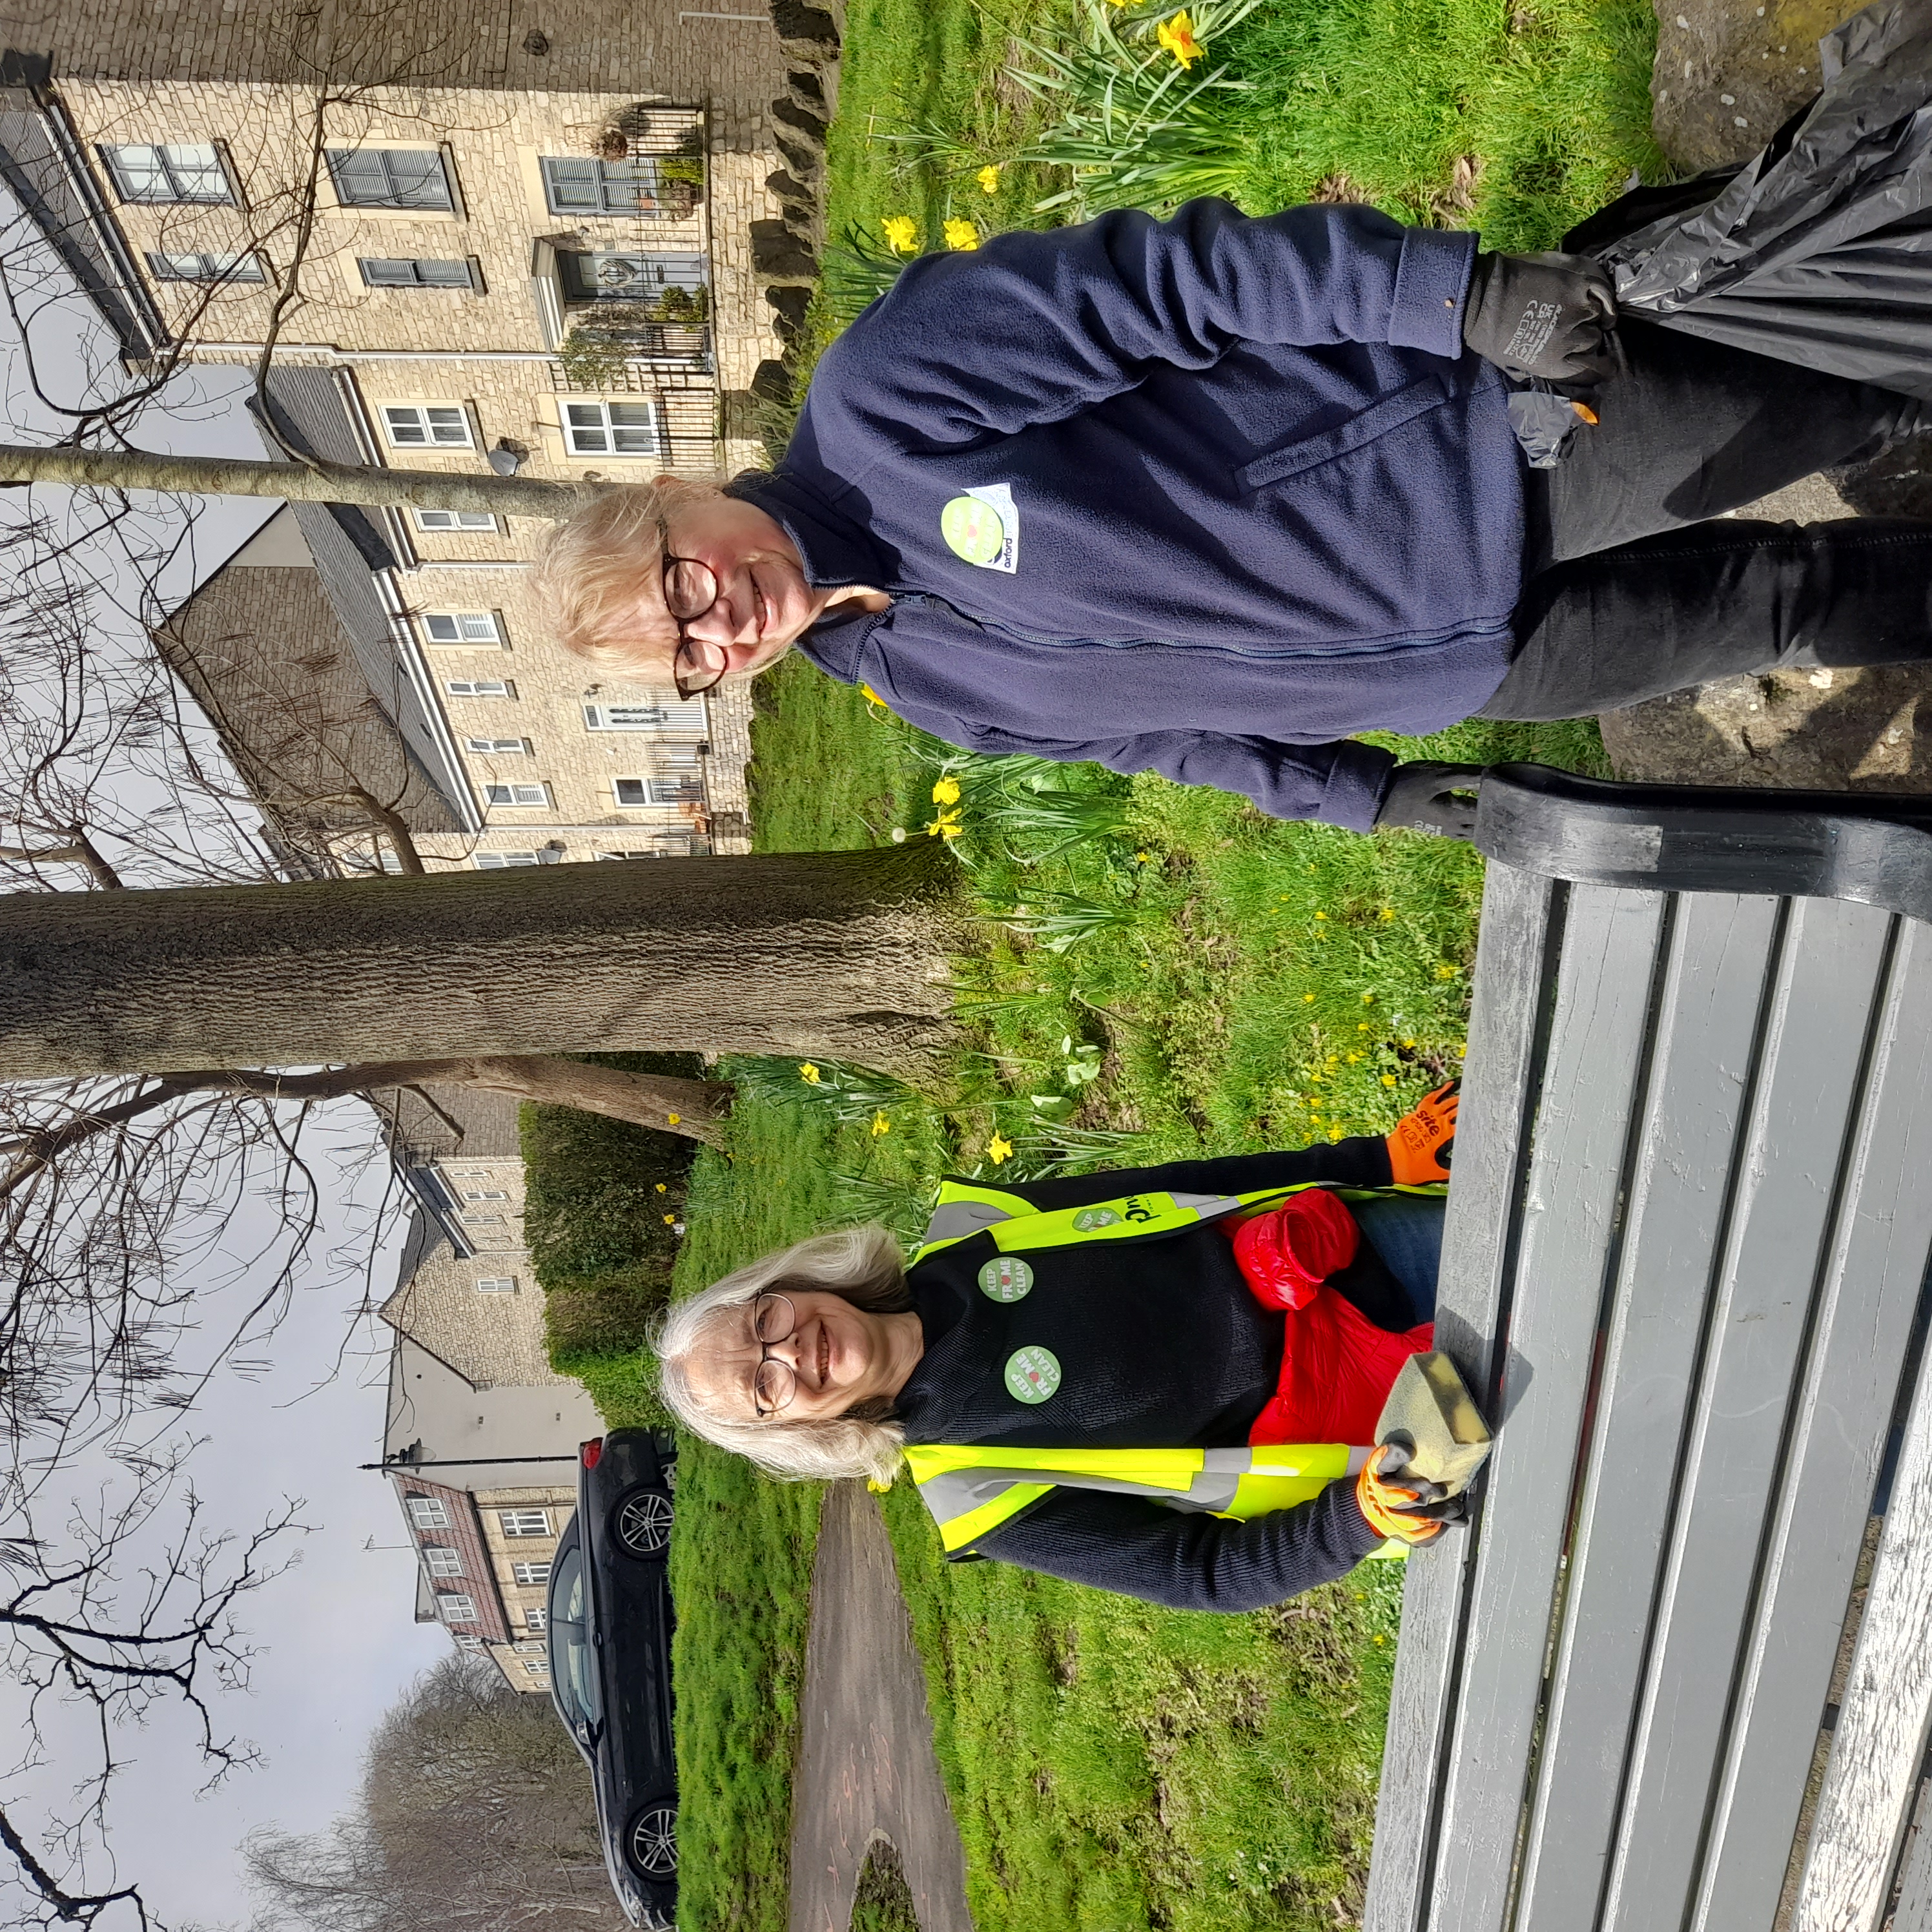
(1424, 797)
(1550, 316)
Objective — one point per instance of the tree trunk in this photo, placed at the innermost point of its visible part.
(837, 954)
(292, 482)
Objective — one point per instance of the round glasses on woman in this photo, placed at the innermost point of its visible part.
(690, 590)
(773, 1385)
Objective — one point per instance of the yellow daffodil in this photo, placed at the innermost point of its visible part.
(880, 1125)
(962, 235)
(1177, 35)
(808, 1073)
(946, 791)
(871, 696)
(946, 826)
(901, 236)
(988, 177)
(998, 1149)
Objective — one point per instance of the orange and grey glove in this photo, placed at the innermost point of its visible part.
(1420, 1148)
(1406, 1508)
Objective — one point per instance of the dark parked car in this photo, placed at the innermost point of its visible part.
(609, 1631)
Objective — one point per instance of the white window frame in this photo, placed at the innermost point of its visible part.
(588, 429)
(502, 862)
(427, 1512)
(479, 687)
(662, 790)
(179, 174)
(513, 797)
(415, 264)
(486, 1194)
(497, 747)
(439, 1560)
(399, 194)
(524, 1522)
(537, 1667)
(497, 1284)
(531, 1575)
(627, 201)
(176, 265)
(457, 1607)
(463, 521)
(648, 716)
(536, 1617)
(438, 425)
(464, 627)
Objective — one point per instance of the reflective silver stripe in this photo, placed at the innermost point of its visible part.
(958, 1492)
(1208, 1205)
(953, 1220)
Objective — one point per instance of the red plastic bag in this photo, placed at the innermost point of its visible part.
(1337, 1367)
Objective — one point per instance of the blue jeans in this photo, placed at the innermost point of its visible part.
(1406, 1230)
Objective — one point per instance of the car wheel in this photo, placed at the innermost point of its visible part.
(641, 1523)
(650, 1842)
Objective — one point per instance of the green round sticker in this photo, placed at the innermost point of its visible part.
(1005, 1278)
(973, 530)
(1033, 1374)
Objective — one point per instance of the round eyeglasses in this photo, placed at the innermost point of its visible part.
(774, 1383)
(690, 589)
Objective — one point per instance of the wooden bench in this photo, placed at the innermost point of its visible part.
(1676, 1675)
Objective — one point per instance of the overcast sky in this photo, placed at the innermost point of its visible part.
(336, 1637)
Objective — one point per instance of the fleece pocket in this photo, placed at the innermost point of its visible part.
(1309, 452)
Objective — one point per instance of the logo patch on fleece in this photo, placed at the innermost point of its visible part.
(982, 528)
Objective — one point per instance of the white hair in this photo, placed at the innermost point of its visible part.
(862, 1265)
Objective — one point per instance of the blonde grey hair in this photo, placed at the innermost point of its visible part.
(597, 566)
(864, 1266)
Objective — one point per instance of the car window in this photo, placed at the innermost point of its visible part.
(573, 1662)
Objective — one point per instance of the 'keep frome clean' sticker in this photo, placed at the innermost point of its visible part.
(983, 528)
(1033, 1373)
(1006, 1278)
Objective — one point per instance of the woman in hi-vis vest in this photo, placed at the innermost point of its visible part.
(1164, 1382)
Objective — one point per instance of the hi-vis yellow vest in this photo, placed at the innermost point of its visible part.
(971, 1489)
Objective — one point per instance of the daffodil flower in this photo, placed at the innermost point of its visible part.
(901, 235)
(988, 177)
(880, 1125)
(808, 1073)
(946, 791)
(1177, 35)
(961, 234)
(946, 826)
(999, 1149)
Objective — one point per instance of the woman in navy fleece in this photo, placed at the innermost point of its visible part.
(1208, 496)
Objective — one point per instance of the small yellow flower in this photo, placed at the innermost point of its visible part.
(671, 1220)
(1143, 858)
(880, 1125)
(661, 1187)
(961, 234)
(1408, 1042)
(1368, 999)
(999, 1148)
(1321, 915)
(1388, 912)
(1308, 999)
(1177, 35)
(871, 696)
(808, 1073)
(1388, 1079)
(946, 826)
(901, 236)
(1315, 1113)
(1353, 1058)
(988, 177)
(674, 1118)
(1461, 1053)
(1334, 1133)
(946, 791)
(1362, 1028)
(1446, 971)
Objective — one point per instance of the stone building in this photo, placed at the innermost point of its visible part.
(549, 238)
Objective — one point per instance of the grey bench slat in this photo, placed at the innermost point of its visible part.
(1783, 1198)
(1915, 1890)
(1503, 1028)
(1867, 1300)
(1570, 1198)
(1714, 977)
(1879, 1742)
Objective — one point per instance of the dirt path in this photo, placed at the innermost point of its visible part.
(865, 1762)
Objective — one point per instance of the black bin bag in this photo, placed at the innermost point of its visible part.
(1820, 250)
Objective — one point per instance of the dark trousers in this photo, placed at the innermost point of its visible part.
(1640, 584)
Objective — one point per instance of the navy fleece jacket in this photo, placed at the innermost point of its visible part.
(1247, 496)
